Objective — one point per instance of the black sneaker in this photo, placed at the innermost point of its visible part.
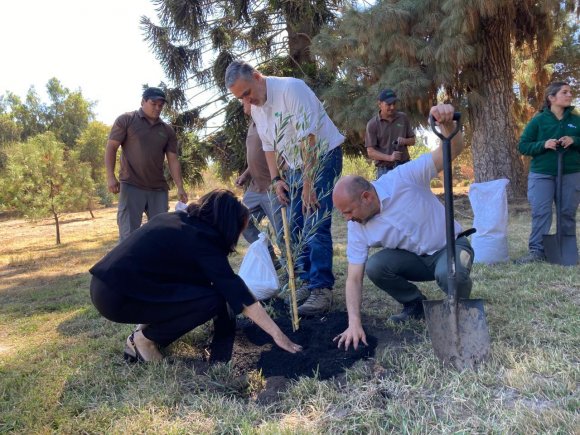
(411, 310)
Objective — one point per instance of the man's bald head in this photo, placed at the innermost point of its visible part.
(351, 187)
(355, 198)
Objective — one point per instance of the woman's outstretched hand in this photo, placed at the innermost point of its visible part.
(261, 318)
(285, 343)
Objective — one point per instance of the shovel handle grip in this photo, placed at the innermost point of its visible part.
(433, 123)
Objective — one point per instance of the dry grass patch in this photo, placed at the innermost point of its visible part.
(61, 368)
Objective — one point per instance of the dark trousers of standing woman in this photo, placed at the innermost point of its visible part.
(167, 321)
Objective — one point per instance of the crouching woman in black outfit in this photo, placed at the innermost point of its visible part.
(173, 274)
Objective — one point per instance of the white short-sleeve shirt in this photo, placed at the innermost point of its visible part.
(290, 101)
(411, 216)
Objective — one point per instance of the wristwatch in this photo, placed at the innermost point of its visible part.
(276, 179)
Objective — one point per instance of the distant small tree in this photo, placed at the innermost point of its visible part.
(42, 180)
(9, 133)
(67, 114)
(9, 130)
(91, 150)
(27, 114)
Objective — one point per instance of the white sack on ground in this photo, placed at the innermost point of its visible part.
(490, 209)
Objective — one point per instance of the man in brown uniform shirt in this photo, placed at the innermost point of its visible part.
(145, 140)
(257, 196)
(388, 135)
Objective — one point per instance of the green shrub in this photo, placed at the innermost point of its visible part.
(358, 166)
(436, 182)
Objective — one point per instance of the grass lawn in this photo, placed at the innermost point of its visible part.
(61, 365)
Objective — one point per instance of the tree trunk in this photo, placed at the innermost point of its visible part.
(55, 215)
(301, 27)
(494, 144)
(299, 46)
(90, 207)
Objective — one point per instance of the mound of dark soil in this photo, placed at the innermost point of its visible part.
(252, 349)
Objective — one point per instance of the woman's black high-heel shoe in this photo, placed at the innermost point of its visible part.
(131, 353)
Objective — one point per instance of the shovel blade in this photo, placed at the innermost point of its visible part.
(561, 249)
(458, 332)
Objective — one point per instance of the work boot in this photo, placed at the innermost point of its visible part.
(531, 257)
(411, 310)
(319, 302)
(302, 293)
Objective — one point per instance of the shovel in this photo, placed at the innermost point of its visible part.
(559, 248)
(458, 328)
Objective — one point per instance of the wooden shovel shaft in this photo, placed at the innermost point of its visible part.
(291, 277)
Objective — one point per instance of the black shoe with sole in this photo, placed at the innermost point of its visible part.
(148, 353)
(411, 310)
(131, 353)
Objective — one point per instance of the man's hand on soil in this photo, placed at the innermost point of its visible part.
(352, 334)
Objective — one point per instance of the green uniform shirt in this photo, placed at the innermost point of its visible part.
(546, 126)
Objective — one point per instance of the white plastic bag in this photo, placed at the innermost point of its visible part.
(490, 209)
(257, 270)
(180, 206)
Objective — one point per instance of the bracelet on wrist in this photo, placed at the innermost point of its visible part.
(276, 179)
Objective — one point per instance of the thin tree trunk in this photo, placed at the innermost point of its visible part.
(55, 215)
(494, 144)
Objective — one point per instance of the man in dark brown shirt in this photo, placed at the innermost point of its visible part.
(257, 197)
(146, 140)
(388, 135)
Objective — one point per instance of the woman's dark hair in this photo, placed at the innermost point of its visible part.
(551, 91)
(222, 210)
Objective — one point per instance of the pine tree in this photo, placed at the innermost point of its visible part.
(189, 32)
(41, 179)
(196, 40)
(461, 49)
